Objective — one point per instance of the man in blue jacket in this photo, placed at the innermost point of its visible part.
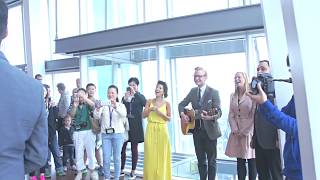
(286, 121)
(23, 118)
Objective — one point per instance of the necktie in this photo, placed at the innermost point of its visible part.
(199, 96)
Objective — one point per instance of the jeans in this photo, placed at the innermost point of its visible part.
(54, 149)
(112, 143)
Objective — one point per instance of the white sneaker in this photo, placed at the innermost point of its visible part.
(78, 176)
(94, 175)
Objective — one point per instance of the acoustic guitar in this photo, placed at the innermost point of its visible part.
(188, 127)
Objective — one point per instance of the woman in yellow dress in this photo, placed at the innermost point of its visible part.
(157, 149)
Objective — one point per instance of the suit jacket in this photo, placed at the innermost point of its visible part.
(23, 124)
(265, 133)
(211, 126)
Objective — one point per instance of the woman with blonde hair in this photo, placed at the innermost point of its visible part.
(241, 120)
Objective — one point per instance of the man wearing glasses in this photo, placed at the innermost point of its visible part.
(204, 99)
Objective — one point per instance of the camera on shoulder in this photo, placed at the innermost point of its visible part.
(267, 84)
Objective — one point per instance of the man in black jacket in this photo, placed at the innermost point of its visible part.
(266, 141)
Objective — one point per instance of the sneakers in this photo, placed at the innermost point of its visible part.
(61, 172)
(94, 175)
(78, 176)
(41, 177)
(47, 173)
(84, 172)
(33, 177)
(132, 176)
(101, 171)
(65, 168)
(122, 174)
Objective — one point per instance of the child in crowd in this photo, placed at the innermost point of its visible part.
(67, 143)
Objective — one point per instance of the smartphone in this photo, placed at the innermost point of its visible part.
(106, 103)
(97, 104)
(128, 88)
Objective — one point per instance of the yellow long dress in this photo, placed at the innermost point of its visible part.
(157, 149)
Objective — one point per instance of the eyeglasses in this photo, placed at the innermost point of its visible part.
(198, 76)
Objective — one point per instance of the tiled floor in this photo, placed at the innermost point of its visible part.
(70, 176)
(181, 166)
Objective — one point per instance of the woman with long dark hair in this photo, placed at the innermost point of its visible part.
(157, 149)
(114, 123)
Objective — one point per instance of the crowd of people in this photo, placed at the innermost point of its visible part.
(89, 131)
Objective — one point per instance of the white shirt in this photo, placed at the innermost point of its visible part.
(119, 119)
(203, 88)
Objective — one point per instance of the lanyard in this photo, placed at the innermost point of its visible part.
(110, 116)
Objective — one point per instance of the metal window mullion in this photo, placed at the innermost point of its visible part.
(27, 36)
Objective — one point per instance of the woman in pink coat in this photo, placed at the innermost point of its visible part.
(241, 121)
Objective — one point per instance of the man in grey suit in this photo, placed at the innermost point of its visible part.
(23, 123)
(204, 99)
(266, 141)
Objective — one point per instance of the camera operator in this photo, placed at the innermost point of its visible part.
(286, 121)
(265, 139)
(84, 139)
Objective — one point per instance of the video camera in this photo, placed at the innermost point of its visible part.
(267, 84)
(81, 125)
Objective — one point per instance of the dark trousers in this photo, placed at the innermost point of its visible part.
(68, 154)
(134, 154)
(59, 127)
(242, 169)
(206, 151)
(268, 163)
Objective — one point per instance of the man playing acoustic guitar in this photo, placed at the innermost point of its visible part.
(206, 132)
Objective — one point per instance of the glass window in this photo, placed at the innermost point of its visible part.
(116, 68)
(155, 10)
(235, 3)
(223, 65)
(188, 7)
(101, 75)
(68, 78)
(253, 1)
(175, 63)
(261, 47)
(93, 16)
(124, 13)
(68, 18)
(13, 44)
(101, 15)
